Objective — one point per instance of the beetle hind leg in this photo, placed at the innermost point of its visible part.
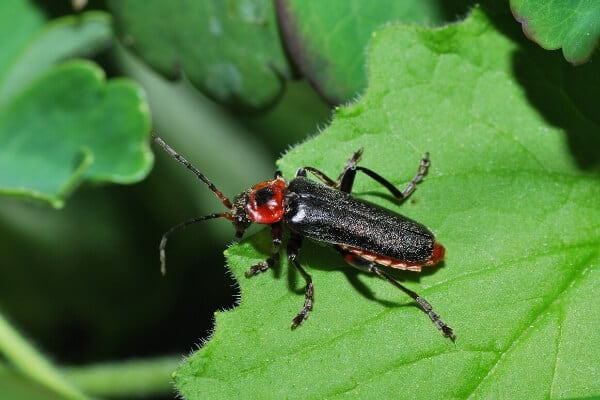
(370, 266)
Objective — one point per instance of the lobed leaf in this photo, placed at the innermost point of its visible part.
(61, 124)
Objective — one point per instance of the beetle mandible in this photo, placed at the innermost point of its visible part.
(367, 236)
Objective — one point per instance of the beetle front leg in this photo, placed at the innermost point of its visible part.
(293, 247)
(345, 181)
(269, 262)
(369, 266)
(350, 165)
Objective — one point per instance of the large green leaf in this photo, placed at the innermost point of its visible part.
(513, 195)
(573, 25)
(228, 49)
(61, 124)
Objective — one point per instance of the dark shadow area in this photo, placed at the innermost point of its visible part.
(566, 96)
(326, 258)
(85, 281)
(353, 275)
(55, 9)
(311, 255)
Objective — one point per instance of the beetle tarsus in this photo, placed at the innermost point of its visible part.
(423, 167)
(260, 267)
(441, 325)
(308, 303)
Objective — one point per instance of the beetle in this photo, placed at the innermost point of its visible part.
(367, 236)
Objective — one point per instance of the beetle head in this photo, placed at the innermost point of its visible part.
(263, 203)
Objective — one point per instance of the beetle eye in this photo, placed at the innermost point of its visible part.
(263, 196)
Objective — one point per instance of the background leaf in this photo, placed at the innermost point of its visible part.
(52, 137)
(83, 283)
(41, 46)
(63, 124)
(515, 207)
(229, 50)
(573, 25)
(327, 39)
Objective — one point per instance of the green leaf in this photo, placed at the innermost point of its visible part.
(61, 124)
(327, 39)
(229, 50)
(44, 46)
(52, 137)
(573, 25)
(20, 21)
(512, 193)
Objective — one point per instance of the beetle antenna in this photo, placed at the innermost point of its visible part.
(184, 224)
(226, 202)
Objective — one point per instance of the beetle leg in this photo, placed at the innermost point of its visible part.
(319, 174)
(369, 266)
(293, 246)
(346, 179)
(269, 262)
(350, 164)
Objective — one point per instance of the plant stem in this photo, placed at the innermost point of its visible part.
(32, 363)
(128, 379)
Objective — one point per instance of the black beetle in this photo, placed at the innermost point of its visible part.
(368, 236)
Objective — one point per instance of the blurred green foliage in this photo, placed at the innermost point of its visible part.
(82, 283)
